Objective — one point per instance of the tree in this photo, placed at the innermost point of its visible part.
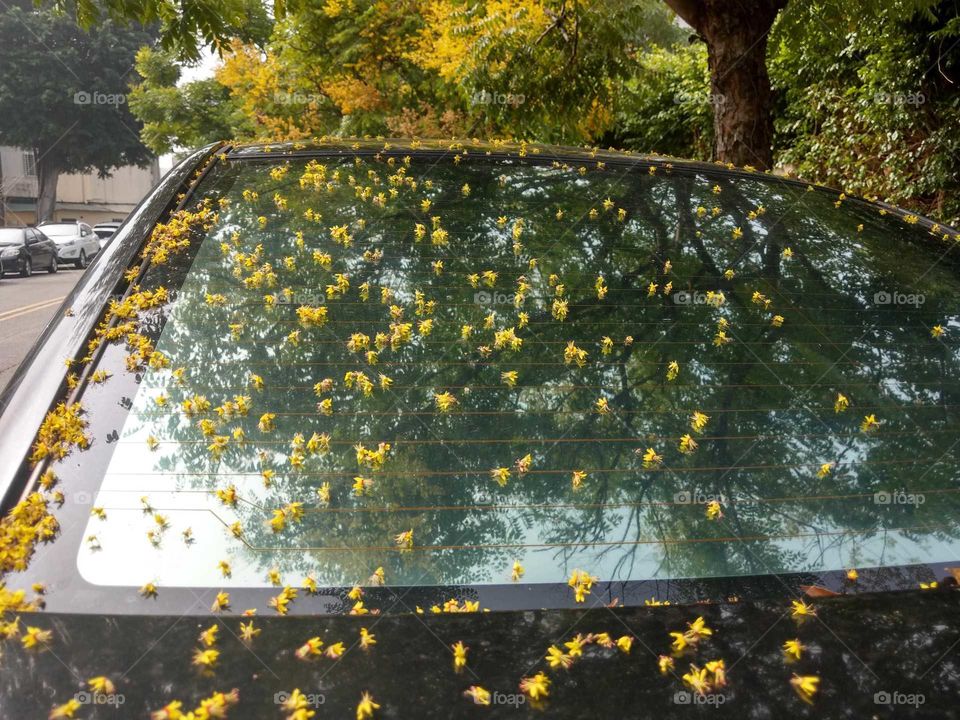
(63, 96)
(736, 35)
(191, 115)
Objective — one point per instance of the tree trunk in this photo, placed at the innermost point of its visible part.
(48, 175)
(736, 35)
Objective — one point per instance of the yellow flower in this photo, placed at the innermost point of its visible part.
(869, 423)
(793, 649)
(777, 321)
(787, 253)
(577, 478)
(335, 651)
(404, 540)
(248, 632)
(479, 695)
(518, 571)
(737, 233)
(205, 658)
(445, 401)
(625, 642)
(606, 345)
(220, 602)
(501, 475)
(673, 369)
(310, 649)
(366, 706)
(698, 421)
(852, 575)
(936, 331)
(266, 423)
(556, 658)
(800, 609)
(523, 464)
(805, 686)
(697, 680)
(665, 663)
(841, 403)
(536, 687)
(66, 710)
(34, 636)
(367, 639)
(713, 510)
(602, 406)
(148, 590)
(573, 354)
(459, 655)
(559, 309)
(509, 378)
(687, 445)
(651, 459)
(824, 470)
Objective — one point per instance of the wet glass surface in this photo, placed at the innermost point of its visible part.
(823, 299)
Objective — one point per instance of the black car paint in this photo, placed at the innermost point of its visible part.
(884, 656)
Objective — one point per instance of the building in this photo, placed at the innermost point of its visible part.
(85, 198)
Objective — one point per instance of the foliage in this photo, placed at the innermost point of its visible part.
(195, 114)
(668, 105)
(874, 110)
(62, 91)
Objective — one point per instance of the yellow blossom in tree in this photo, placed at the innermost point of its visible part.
(517, 572)
(841, 403)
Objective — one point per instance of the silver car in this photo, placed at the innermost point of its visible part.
(76, 242)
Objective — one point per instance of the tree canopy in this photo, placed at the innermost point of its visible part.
(63, 95)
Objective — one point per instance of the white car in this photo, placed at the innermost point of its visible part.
(76, 242)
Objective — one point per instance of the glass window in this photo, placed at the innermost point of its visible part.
(642, 375)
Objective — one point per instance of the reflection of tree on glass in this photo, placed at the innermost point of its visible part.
(629, 373)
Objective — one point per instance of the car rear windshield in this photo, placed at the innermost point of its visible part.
(475, 371)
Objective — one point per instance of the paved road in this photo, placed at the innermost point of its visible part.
(26, 305)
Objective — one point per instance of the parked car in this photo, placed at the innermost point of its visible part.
(105, 230)
(687, 432)
(22, 250)
(76, 242)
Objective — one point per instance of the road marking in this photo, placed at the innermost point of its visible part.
(27, 309)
